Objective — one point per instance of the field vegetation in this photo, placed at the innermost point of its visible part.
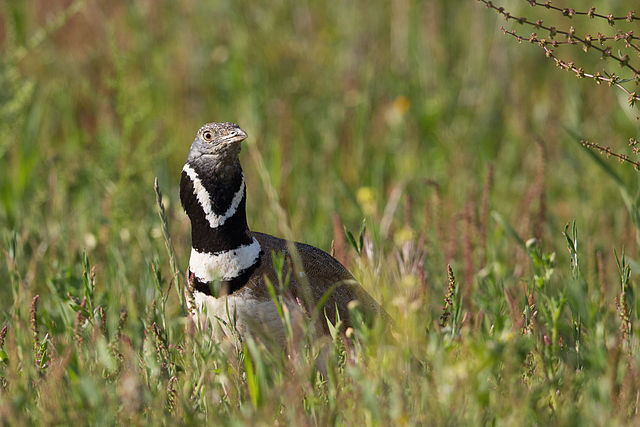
(505, 250)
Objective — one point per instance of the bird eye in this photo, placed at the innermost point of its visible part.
(207, 136)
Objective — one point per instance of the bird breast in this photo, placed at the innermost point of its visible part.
(246, 314)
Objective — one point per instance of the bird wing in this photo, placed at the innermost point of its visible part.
(324, 279)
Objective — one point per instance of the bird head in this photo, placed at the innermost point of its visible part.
(217, 144)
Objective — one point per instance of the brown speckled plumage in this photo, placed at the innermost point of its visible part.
(321, 273)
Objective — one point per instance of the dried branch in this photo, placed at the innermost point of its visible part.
(611, 79)
(591, 13)
(609, 152)
(572, 38)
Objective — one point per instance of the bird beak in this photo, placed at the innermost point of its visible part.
(239, 136)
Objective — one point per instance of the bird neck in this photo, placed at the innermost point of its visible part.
(223, 247)
(215, 204)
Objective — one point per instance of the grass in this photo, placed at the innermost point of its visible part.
(456, 145)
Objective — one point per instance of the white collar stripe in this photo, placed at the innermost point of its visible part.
(204, 199)
(224, 265)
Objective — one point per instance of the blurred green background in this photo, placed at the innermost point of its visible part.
(395, 112)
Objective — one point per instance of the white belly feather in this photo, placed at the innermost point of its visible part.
(246, 314)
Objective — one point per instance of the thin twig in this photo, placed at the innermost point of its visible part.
(612, 79)
(591, 13)
(571, 36)
(609, 152)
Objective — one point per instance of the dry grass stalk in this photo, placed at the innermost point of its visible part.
(121, 322)
(603, 286)
(422, 274)
(538, 225)
(517, 322)
(540, 180)
(437, 214)
(484, 213)
(624, 312)
(534, 193)
(613, 362)
(103, 321)
(408, 211)
(451, 247)
(79, 320)
(162, 351)
(420, 266)
(33, 317)
(151, 313)
(3, 335)
(530, 314)
(531, 220)
(172, 394)
(447, 307)
(467, 249)
(169, 246)
(339, 246)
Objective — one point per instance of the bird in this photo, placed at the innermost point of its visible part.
(231, 274)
